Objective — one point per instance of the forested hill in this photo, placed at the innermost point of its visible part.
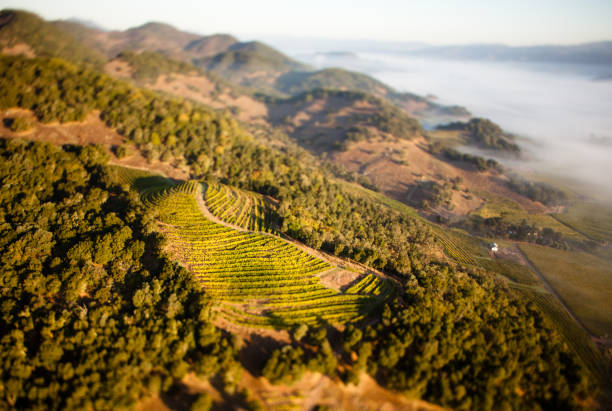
(453, 334)
(26, 33)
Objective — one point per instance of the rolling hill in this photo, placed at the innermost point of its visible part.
(23, 32)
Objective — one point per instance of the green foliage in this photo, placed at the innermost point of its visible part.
(242, 208)
(18, 124)
(46, 40)
(92, 314)
(121, 151)
(542, 192)
(451, 154)
(485, 133)
(242, 60)
(460, 339)
(203, 402)
(297, 82)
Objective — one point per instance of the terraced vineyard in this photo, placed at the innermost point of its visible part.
(460, 247)
(242, 208)
(258, 279)
(373, 285)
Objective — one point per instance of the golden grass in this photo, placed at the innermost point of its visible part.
(582, 280)
(591, 219)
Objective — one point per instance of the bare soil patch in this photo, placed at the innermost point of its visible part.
(90, 131)
(118, 69)
(397, 166)
(18, 49)
(203, 90)
(316, 389)
(338, 278)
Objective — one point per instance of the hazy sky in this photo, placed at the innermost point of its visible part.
(515, 22)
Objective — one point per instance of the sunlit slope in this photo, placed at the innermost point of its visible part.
(239, 207)
(258, 279)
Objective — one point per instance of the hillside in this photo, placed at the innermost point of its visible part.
(210, 45)
(328, 120)
(194, 222)
(252, 64)
(23, 32)
(298, 82)
(485, 134)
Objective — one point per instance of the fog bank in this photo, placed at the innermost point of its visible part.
(564, 115)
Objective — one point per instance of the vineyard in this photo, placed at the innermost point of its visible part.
(461, 247)
(372, 285)
(257, 279)
(242, 208)
(523, 281)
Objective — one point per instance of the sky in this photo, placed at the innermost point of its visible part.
(516, 22)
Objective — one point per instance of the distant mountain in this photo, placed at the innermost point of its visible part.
(211, 45)
(87, 23)
(296, 82)
(153, 49)
(253, 64)
(589, 53)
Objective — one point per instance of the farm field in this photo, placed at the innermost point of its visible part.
(462, 247)
(257, 279)
(524, 281)
(590, 219)
(582, 280)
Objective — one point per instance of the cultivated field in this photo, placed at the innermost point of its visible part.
(582, 280)
(590, 219)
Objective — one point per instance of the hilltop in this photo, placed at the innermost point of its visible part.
(25, 33)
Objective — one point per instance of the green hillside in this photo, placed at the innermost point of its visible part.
(93, 314)
(210, 45)
(148, 66)
(484, 133)
(252, 64)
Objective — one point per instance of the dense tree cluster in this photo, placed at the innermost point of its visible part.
(481, 163)
(46, 40)
(499, 227)
(455, 338)
(18, 124)
(148, 66)
(92, 314)
(542, 192)
(485, 133)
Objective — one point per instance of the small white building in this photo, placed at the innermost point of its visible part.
(493, 247)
